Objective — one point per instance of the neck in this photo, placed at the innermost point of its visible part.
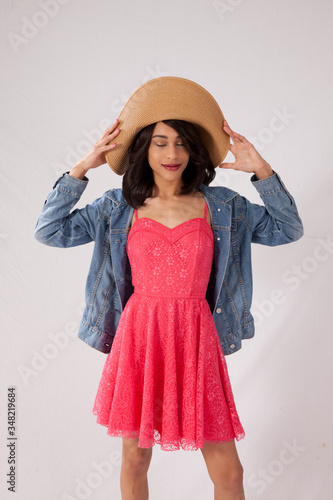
(167, 190)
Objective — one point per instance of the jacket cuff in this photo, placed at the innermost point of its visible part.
(71, 184)
(269, 185)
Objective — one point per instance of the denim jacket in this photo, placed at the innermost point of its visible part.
(235, 222)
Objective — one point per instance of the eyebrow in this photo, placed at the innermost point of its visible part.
(164, 136)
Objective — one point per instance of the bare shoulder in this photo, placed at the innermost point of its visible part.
(198, 194)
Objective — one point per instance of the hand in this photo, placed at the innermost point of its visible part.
(247, 157)
(96, 155)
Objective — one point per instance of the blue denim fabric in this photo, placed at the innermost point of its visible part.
(235, 221)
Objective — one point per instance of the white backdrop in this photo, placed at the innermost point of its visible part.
(68, 67)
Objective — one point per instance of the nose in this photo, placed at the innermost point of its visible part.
(171, 152)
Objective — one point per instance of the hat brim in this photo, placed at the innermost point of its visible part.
(170, 98)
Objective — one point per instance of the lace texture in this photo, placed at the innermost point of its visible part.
(165, 380)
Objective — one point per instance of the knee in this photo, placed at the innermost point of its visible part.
(236, 475)
(137, 462)
(232, 478)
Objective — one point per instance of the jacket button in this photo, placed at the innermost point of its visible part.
(218, 239)
(218, 310)
(218, 209)
(232, 346)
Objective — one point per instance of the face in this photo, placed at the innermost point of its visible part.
(167, 154)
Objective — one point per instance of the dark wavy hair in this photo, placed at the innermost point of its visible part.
(138, 180)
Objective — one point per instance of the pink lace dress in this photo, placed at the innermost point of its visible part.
(165, 380)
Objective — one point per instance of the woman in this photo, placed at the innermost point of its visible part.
(169, 287)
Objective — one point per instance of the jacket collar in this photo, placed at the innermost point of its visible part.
(116, 195)
(220, 194)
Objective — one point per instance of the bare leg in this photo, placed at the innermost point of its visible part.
(225, 470)
(134, 468)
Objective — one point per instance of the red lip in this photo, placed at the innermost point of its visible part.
(171, 164)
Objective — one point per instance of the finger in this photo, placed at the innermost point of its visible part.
(111, 136)
(107, 148)
(234, 135)
(227, 165)
(110, 129)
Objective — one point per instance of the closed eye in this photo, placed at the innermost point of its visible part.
(163, 145)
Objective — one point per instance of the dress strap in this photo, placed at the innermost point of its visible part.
(136, 214)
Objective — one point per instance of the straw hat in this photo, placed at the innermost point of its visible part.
(168, 98)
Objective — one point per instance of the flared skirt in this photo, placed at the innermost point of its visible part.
(165, 380)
